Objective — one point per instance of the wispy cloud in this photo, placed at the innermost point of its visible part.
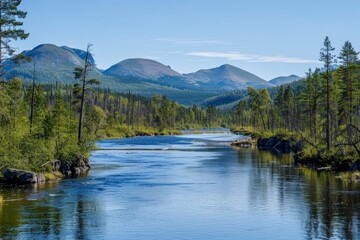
(167, 52)
(199, 41)
(235, 56)
(152, 57)
(197, 60)
(183, 41)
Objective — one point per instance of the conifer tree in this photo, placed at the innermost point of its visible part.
(288, 106)
(328, 58)
(81, 89)
(10, 23)
(348, 59)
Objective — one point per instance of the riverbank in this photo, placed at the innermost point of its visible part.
(280, 141)
(59, 169)
(125, 132)
(167, 189)
(347, 166)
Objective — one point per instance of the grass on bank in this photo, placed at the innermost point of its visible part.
(256, 134)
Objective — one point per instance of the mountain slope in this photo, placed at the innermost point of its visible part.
(284, 80)
(56, 64)
(141, 68)
(229, 100)
(227, 77)
(52, 63)
(139, 76)
(150, 71)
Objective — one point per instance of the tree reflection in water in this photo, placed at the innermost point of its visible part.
(32, 212)
(267, 187)
(333, 206)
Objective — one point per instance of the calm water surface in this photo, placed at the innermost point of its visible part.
(184, 187)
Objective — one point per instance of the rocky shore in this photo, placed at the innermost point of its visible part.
(59, 170)
(275, 143)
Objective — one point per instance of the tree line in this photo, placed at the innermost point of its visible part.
(324, 110)
(40, 123)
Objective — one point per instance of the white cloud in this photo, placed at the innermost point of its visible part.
(167, 52)
(180, 41)
(251, 57)
(199, 41)
(152, 57)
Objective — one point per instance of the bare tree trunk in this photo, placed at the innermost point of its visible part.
(328, 116)
(32, 105)
(82, 103)
(262, 118)
(1, 60)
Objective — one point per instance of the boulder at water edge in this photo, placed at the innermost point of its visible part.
(22, 177)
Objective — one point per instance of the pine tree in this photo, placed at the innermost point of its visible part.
(164, 111)
(288, 106)
(260, 102)
(279, 103)
(348, 59)
(310, 100)
(81, 89)
(10, 21)
(241, 111)
(328, 58)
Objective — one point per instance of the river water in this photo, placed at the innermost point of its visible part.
(184, 187)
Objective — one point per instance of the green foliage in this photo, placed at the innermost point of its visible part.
(36, 151)
(322, 110)
(53, 132)
(10, 23)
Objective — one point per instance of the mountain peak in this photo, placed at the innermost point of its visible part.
(227, 77)
(46, 46)
(141, 68)
(227, 66)
(284, 79)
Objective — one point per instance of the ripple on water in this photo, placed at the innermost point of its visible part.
(194, 189)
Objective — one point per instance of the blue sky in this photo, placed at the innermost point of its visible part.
(269, 38)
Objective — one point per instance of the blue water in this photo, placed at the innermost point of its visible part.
(184, 187)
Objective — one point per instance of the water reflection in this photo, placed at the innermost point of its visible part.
(46, 212)
(196, 190)
(332, 205)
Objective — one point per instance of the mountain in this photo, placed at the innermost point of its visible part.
(56, 64)
(284, 80)
(150, 71)
(52, 63)
(141, 68)
(80, 53)
(139, 76)
(229, 100)
(226, 78)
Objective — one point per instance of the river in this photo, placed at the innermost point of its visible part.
(194, 186)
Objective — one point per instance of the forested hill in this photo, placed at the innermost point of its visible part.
(51, 64)
(39, 122)
(230, 100)
(284, 80)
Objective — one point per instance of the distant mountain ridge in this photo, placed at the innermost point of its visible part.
(227, 77)
(52, 63)
(151, 71)
(284, 80)
(140, 76)
(142, 68)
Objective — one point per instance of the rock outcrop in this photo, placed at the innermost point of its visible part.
(244, 143)
(17, 176)
(75, 168)
(275, 143)
(67, 168)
